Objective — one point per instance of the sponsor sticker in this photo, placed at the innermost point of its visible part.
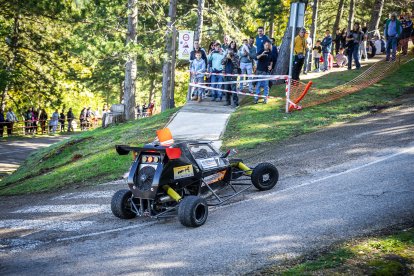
(208, 163)
(214, 177)
(183, 171)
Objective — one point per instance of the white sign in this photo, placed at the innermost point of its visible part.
(300, 9)
(185, 44)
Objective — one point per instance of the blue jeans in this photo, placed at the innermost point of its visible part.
(391, 44)
(214, 79)
(264, 84)
(307, 64)
(198, 91)
(325, 61)
(354, 53)
(246, 68)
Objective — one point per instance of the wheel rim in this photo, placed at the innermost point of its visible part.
(267, 178)
(200, 212)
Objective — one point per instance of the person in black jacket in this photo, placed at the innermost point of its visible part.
(230, 64)
(337, 40)
(62, 121)
(70, 117)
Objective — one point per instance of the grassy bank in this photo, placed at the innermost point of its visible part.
(253, 125)
(83, 159)
(391, 254)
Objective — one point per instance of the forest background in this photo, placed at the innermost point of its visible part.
(73, 53)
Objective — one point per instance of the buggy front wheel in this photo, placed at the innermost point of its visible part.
(265, 176)
(121, 205)
(192, 211)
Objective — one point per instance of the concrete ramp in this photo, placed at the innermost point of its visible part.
(201, 121)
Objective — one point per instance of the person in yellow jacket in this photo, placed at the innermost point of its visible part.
(299, 51)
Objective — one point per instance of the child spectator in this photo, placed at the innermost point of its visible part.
(317, 50)
(341, 59)
(198, 67)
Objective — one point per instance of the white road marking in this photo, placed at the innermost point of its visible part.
(86, 195)
(81, 208)
(44, 224)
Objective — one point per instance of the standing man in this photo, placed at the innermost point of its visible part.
(392, 31)
(70, 117)
(261, 39)
(62, 121)
(231, 65)
(338, 38)
(10, 120)
(299, 54)
(196, 49)
(264, 66)
(407, 29)
(307, 64)
(247, 54)
(215, 59)
(226, 42)
(326, 49)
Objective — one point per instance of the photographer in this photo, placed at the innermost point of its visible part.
(231, 66)
(265, 62)
(299, 54)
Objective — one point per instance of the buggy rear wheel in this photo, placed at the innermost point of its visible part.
(121, 205)
(192, 211)
(265, 176)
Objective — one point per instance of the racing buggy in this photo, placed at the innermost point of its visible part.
(184, 178)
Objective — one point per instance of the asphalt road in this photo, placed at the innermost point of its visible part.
(14, 151)
(342, 182)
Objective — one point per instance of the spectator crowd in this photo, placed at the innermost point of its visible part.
(37, 121)
(216, 66)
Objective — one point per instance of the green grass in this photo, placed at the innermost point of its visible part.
(253, 125)
(83, 159)
(379, 255)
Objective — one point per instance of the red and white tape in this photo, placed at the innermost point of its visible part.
(231, 82)
(274, 77)
(233, 92)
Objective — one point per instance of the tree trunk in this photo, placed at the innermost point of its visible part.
(200, 12)
(338, 16)
(314, 26)
(131, 64)
(271, 27)
(13, 44)
(375, 16)
(351, 14)
(167, 67)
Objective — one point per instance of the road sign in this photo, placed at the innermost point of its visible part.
(185, 44)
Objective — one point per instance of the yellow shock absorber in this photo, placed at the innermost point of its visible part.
(173, 194)
(243, 167)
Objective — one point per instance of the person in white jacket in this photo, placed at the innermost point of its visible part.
(54, 121)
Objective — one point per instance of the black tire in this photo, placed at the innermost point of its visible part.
(120, 205)
(192, 211)
(262, 170)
